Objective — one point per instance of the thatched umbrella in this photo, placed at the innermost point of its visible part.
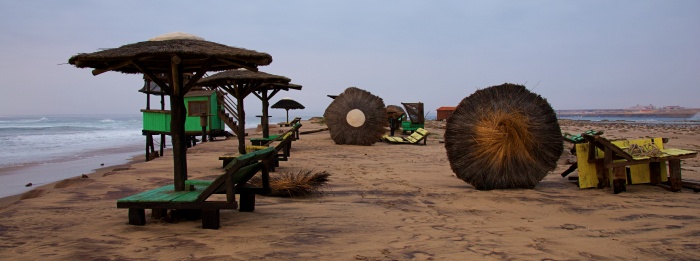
(240, 83)
(356, 117)
(395, 109)
(171, 56)
(287, 104)
(503, 137)
(394, 114)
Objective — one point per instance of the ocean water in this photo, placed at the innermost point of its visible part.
(30, 140)
(45, 149)
(695, 120)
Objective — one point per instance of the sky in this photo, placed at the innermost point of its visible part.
(576, 54)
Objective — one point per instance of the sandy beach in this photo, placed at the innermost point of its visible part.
(383, 202)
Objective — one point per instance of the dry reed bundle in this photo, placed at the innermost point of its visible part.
(356, 117)
(503, 137)
(294, 184)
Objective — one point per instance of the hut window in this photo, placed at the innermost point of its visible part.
(196, 108)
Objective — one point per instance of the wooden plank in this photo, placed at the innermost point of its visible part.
(145, 194)
(245, 173)
(587, 176)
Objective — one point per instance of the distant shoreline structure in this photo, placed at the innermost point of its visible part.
(636, 111)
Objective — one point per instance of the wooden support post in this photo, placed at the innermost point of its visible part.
(149, 140)
(158, 213)
(210, 219)
(137, 216)
(178, 115)
(162, 144)
(602, 174)
(247, 203)
(265, 124)
(655, 173)
(674, 169)
(619, 179)
(230, 190)
(241, 122)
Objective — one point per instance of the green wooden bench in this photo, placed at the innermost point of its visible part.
(282, 144)
(195, 199)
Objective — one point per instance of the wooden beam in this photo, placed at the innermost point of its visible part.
(153, 77)
(199, 74)
(238, 64)
(96, 72)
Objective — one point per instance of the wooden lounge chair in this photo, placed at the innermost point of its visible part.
(415, 138)
(619, 157)
(195, 199)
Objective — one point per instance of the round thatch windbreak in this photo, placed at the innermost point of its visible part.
(356, 117)
(503, 137)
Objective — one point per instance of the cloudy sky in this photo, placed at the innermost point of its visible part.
(576, 54)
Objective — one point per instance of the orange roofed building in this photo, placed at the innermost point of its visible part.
(444, 112)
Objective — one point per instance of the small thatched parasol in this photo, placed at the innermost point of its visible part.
(287, 104)
(397, 110)
(356, 117)
(396, 113)
(503, 137)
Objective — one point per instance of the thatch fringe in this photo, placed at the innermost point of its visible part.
(503, 137)
(294, 184)
(370, 105)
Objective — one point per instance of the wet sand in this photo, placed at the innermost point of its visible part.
(383, 202)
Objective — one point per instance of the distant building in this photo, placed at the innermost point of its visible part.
(443, 113)
(674, 107)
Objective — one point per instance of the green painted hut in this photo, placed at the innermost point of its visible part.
(197, 103)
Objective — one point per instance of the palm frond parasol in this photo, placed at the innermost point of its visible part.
(287, 104)
(356, 117)
(503, 137)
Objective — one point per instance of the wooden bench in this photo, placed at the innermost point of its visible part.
(616, 159)
(195, 198)
(283, 148)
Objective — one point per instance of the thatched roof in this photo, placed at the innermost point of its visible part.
(241, 76)
(287, 104)
(503, 137)
(356, 117)
(281, 86)
(156, 56)
(395, 109)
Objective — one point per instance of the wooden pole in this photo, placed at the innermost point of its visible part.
(162, 136)
(177, 125)
(241, 119)
(265, 120)
(674, 169)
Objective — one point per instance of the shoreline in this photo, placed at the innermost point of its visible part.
(43, 188)
(37, 190)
